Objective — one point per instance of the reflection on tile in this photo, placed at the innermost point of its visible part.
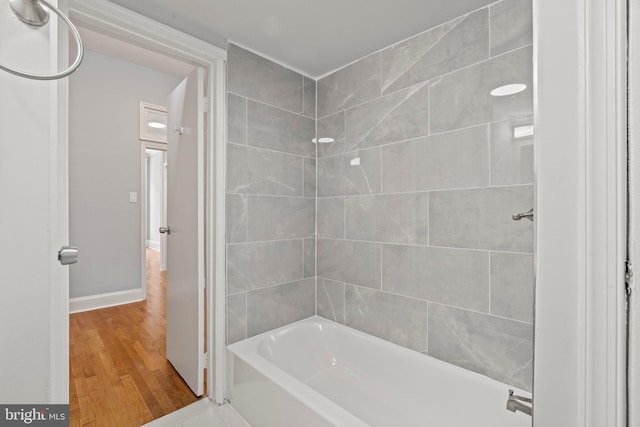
(511, 159)
(309, 258)
(455, 44)
(463, 98)
(511, 25)
(331, 300)
(396, 117)
(456, 159)
(256, 265)
(258, 78)
(356, 83)
(499, 348)
(276, 306)
(481, 218)
(331, 217)
(350, 262)
(279, 130)
(394, 318)
(512, 286)
(341, 176)
(236, 318)
(277, 218)
(309, 177)
(237, 119)
(255, 171)
(455, 277)
(400, 218)
(309, 107)
(332, 127)
(236, 218)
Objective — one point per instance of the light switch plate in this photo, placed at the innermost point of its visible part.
(133, 197)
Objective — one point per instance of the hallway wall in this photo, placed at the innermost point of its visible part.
(104, 167)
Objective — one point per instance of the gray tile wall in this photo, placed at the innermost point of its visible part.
(271, 189)
(415, 238)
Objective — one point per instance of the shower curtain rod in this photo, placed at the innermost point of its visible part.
(30, 12)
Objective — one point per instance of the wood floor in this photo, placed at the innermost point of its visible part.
(119, 373)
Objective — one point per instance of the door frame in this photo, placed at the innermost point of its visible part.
(144, 195)
(580, 155)
(105, 17)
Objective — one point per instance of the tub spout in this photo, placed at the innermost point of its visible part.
(519, 403)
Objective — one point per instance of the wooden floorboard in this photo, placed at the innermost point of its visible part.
(119, 373)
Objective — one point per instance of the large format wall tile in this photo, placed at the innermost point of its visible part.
(396, 117)
(276, 306)
(452, 160)
(309, 177)
(330, 217)
(276, 129)
(258, 171)
(511, 159)
(330, 297)
(236, 317)
(499, 348)
(278, 218)
(399, 218)
(258, 78)
(511, 25)
(512, 286)
(256, 265)
(332, 126)
(453, 45)
(481, 218)
(455, 277)
(349, 261)
(394, 318)
(237, 119)
(337, 176)
(309, 257)
(309, 107)
(354, 84)
(463, 98)
(236, 218)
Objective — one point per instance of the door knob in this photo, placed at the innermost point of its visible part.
(519, 216)
(68, 255)
(164, 230)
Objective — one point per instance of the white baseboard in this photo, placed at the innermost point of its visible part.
(153, 244)
(94, 302)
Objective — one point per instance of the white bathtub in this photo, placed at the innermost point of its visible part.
(318, 373)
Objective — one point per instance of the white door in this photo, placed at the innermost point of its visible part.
(185, 240)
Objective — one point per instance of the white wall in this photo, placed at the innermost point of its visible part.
(27, 272)
(104, 166)
(154, 209)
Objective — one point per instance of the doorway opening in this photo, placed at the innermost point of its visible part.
(120, 371)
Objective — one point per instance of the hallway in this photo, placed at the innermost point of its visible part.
(119, 374)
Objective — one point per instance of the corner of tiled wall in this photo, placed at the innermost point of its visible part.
(416, 243)
(270, 195)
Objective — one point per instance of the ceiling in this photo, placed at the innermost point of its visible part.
(311, 36)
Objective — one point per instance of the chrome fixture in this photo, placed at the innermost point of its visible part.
(31, 12)
(519, 403)
(164, 230)
(68, 255)
(519, 216)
